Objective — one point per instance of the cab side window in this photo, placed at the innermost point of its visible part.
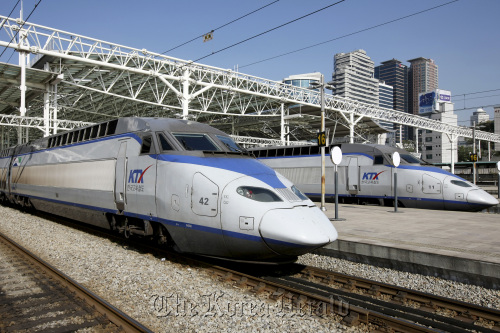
(147, 144)
(378, 159)
(164, 145)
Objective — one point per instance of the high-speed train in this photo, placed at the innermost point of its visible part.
(181, 183)
(366, 175)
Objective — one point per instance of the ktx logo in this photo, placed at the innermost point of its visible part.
(136, 176)
(371, 175)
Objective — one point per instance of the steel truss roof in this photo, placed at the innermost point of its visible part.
(88, 80)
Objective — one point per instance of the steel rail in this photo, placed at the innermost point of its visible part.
(429, 302)
(320, 304)
(113, 314)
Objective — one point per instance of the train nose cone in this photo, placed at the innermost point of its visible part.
(480, 197)
(296, 231)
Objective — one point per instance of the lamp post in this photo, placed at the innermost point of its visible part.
(321, 86)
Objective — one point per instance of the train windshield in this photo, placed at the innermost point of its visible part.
(196, 141)
(230, 144)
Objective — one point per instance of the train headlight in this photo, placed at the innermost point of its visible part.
(460, 183)
(257, 194)
(298, 193)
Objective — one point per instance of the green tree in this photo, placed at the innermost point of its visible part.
(463, 153)
(487, 126)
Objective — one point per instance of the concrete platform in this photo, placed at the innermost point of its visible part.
(459, 246)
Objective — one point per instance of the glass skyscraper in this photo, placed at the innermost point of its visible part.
(353, 77)
(395, 74)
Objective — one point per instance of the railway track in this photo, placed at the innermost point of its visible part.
(389, 308)
(313, 291)
(35, 296)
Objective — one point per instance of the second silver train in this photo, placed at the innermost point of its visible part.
(366, 175)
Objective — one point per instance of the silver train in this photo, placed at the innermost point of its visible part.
(366, 175)
(181, 183)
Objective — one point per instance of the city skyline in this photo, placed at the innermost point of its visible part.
(455, 35)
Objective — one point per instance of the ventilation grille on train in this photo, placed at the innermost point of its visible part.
(288, 194)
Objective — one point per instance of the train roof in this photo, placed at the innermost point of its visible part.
(367, 149)
(115, 127)
(136, 124)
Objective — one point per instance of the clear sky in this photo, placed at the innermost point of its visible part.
(462, 37)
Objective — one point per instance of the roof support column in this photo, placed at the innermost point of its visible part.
(54, 112)
(46, 106)
(282, 127)
(400, 136)
(416, 139)
(185, 94)
(46, 111)
(452, 137)
(22, 87)
(351, 127)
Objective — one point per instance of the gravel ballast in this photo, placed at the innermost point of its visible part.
(170, 297)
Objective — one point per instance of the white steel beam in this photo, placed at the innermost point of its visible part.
(213, 90)
(38, 122)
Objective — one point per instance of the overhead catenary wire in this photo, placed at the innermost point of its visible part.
(17, 32)
(222, 26)
(474, 93)
(349, 34)
(269, 30)
(15, 6)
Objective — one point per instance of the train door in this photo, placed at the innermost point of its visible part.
(204, 196)
(353, 175)
(120, 174)
(206, 236)
(140, 191)
(430, 185)
(432, 189)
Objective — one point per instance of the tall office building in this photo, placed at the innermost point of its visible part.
(479, 116)
(395, 74)
(385, 95)
(437, 147)
(422, 77)
(386, 100)
(353, 77)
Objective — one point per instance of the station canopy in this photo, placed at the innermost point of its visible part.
(73, 80)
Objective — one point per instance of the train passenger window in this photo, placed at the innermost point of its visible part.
(102, 129)
(230, 144)
(164, 143)
(112, 127)
(147, 143)
(80, 135)
(86, 135)
(378, 159)
(196, 141)
(304, 150)
(64, 138)
(94, 132)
